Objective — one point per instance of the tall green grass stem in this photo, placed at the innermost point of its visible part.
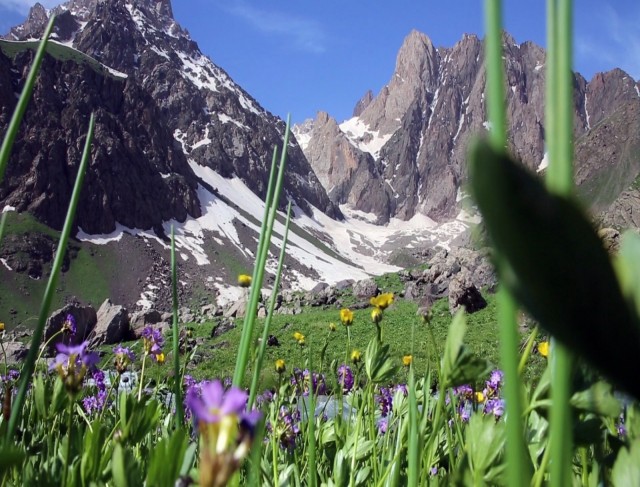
(560, 180)
(29, 364)
(261, 259)
(267, 322)
(517, 467)
(3, 224)
(23, 101)
(177, 378)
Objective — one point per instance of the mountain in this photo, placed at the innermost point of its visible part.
(177, 144)
(409, 142)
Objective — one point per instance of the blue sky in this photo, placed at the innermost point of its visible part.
(301, 56)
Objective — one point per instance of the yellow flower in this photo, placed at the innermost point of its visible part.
(297, 336)
(356, 356)
(479, 397)
(160, 358)
(406, 360)
(543, 349)
(382, 301)
(1, 326)
(332, 327)
(244, 280)
(346, 316)
(376, 315)
(280, 366)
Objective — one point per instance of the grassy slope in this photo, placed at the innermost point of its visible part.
(86, 278)
(219, 354)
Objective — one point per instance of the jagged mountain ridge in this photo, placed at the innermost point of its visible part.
(177, 144)
(409, 142)
(193, 111)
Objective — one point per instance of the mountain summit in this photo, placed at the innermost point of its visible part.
(409, 142)
(165, 113)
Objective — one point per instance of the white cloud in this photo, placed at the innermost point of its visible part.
(23, 6)
(305, 34)
(616, 41)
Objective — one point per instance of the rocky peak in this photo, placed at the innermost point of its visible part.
(363, 103)
(36, 22)
(418, 127)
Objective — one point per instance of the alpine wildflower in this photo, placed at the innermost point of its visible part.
(72, 364)
(346, 316)
(345, 378)
(376, 315)
(244, 280)
(382, 301)
(332, 327)
(280, 366)
(299, 337)
(123, 357)
(69, 325)
(356, 356)
(543, 349)
(226, 430)
(407, 360)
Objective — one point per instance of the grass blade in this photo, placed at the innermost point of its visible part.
(29, 364)
(261, 259)
(517, 469)
(267, 323)
(177, 382)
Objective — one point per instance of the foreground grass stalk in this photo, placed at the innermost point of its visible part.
(67, 456)
(25, 96)
(560, 180)
(3, 224)
(265, 239)
(177, 378)
(267, 322)
(29, 364)
(261, 243)
(517, 468)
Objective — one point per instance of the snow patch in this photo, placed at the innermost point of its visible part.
(8, 208)
(224, 118)
(362, 137)
(6, 264)
(544, 163)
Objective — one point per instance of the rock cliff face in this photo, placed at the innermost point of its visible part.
(163, 111)
(416, 130)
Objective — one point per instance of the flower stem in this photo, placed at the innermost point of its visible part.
(144, 360)
(68, 449)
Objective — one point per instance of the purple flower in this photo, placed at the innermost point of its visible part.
(345, 378)
(264, 398)
(288, 427)
(69, 325)
(213, 404)
(465, 412)
(12, 376)
(493, 384)
(123, 357)
(464, 391)
(72, 364)
(383, 424)
(153, 341)
(385, 401)
(305, 381)
(495, 407)
(402, 388)
(433, 471)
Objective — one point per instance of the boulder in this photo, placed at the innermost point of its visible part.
(222, 327)
(15, 352)
(237, 309)
(112, 325)
(366, 288)
(85, 317)
(610, 239)
(141, 319)
(462, 292)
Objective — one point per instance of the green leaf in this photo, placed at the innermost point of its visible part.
(551, 259)
(378, 363)
(10, 456)
(597, 399)
(453, 345)
(124, 468)
(90, 463)
(485, 445)
(166, 459)
(467, 368)
(628, 268)
(625, 469)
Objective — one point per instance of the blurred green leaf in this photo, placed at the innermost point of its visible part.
(597, 399)
(627, 266)
(10, 456)
(625, 469)
(551, 259)
(485, 447)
